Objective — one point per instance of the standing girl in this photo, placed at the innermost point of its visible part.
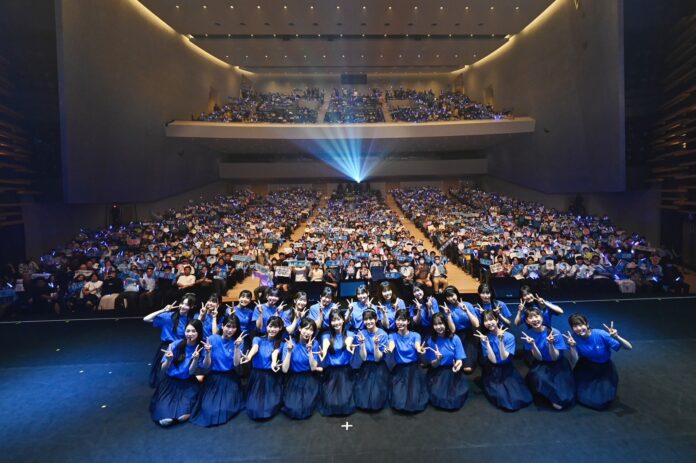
(502, 383)
(596, 378)
(176, 393)
(265, 388)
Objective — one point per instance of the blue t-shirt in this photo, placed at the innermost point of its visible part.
(405, 347)
(299, 362)
(268, 312)
(426, 317)
(504, 310)
(597, 346)
(262, 360)
(245, 314)
(392, 308)
(356, 317)
(461, 318)
(545, 314)
(382, 343)
(207, 324)
(314, 312)
(508, 342)
(340, 355)
(181, 371)
(450, 348)
(222, 353)
(165, 321)
(543, 344)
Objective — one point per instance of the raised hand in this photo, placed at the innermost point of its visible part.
(457, 366)
(480, 309)
(244, 358)
(526, 338)
(289, 344)
(482, 337)
(570, 339)
(446, 310)
(369, 302)
(208, 347)
(240, 339)
(168, 354)
(418, 305)
(229, 309)
(197, 352)
(275, 367)
(350, 303)
(540, 300)
(438, 354)
(551, 338)
(501, 333)
(203, 310)
(260, 308)
(611, 330)
(280, 308)
(360, 337)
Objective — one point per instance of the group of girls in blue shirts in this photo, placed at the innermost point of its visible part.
(300, 359)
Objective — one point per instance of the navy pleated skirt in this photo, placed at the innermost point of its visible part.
(265, 394)
(220, 399)
(156, 365)
(447, 390)
(554, 381)
(300, 395)
(173, 398)
(596, 383)
(472, 348)
(504, 386)
(337, 391)
(409, 388)
(371, 386)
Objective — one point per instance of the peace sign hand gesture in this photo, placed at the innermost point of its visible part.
(447, 311)
(417, 305)
(229, 309)
(240, 339)
(570, 339)
(551, 338)
(280, 308)
(260, 308)
(482, 337)
(360, 337)
(289, 344)
(528, 339)
(611, 330)
(197, 352)
(501, 333)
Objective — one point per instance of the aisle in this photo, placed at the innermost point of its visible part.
(456, 276)
(252, 283)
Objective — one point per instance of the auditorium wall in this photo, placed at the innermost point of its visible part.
(122, 75)
(286, 83)
(566, 71)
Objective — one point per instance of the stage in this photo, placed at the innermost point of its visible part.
(77, 391)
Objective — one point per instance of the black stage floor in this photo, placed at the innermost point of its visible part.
(76, 391)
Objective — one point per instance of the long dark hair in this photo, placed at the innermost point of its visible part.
(326, 292)
(191, 297)
(404, 314)
(536, 311)
(277, 322)
(488, 315)
(248, 294)
(306, 323)
(384, 286)
(233, 320)
(334, 314)
(439, 317)
(299, 295)
(578, 319)
(180, 349)
(485, 288)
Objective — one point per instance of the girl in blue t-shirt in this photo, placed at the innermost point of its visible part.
(264, 312)
(550, 375)
(388, 305)
(319, 312)
(502, 383)
(422, 310)
(596, 378)
(409, 388)
(244, 310)
(488, 302)
(292, 315)
(265, 390)
(221, 396)
(300, 356)
(172, 321)
(463, 318)
(357, 309)
(529, 300)
(336, 353)
(372, 381)
(447, 386)
(176, 393)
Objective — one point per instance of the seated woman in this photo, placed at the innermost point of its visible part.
(176, 394)
(502, 383)
(549, 375)
(300, 362)
(265, 390)
(447, 386)
(596, 378)
(221, 396)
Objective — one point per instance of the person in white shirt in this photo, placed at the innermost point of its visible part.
(91, 292)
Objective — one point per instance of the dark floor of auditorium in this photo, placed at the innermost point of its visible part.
(77, 391)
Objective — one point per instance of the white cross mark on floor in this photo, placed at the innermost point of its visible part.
(347, 426)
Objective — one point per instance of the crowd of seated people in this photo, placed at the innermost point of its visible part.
(357, 237)
(266, 107)
(348, 107)
(494, 236)
(204, 248)
(426, 106)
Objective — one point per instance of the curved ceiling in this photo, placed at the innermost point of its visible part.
(348, 35)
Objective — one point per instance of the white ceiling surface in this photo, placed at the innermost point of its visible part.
(319, 30)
